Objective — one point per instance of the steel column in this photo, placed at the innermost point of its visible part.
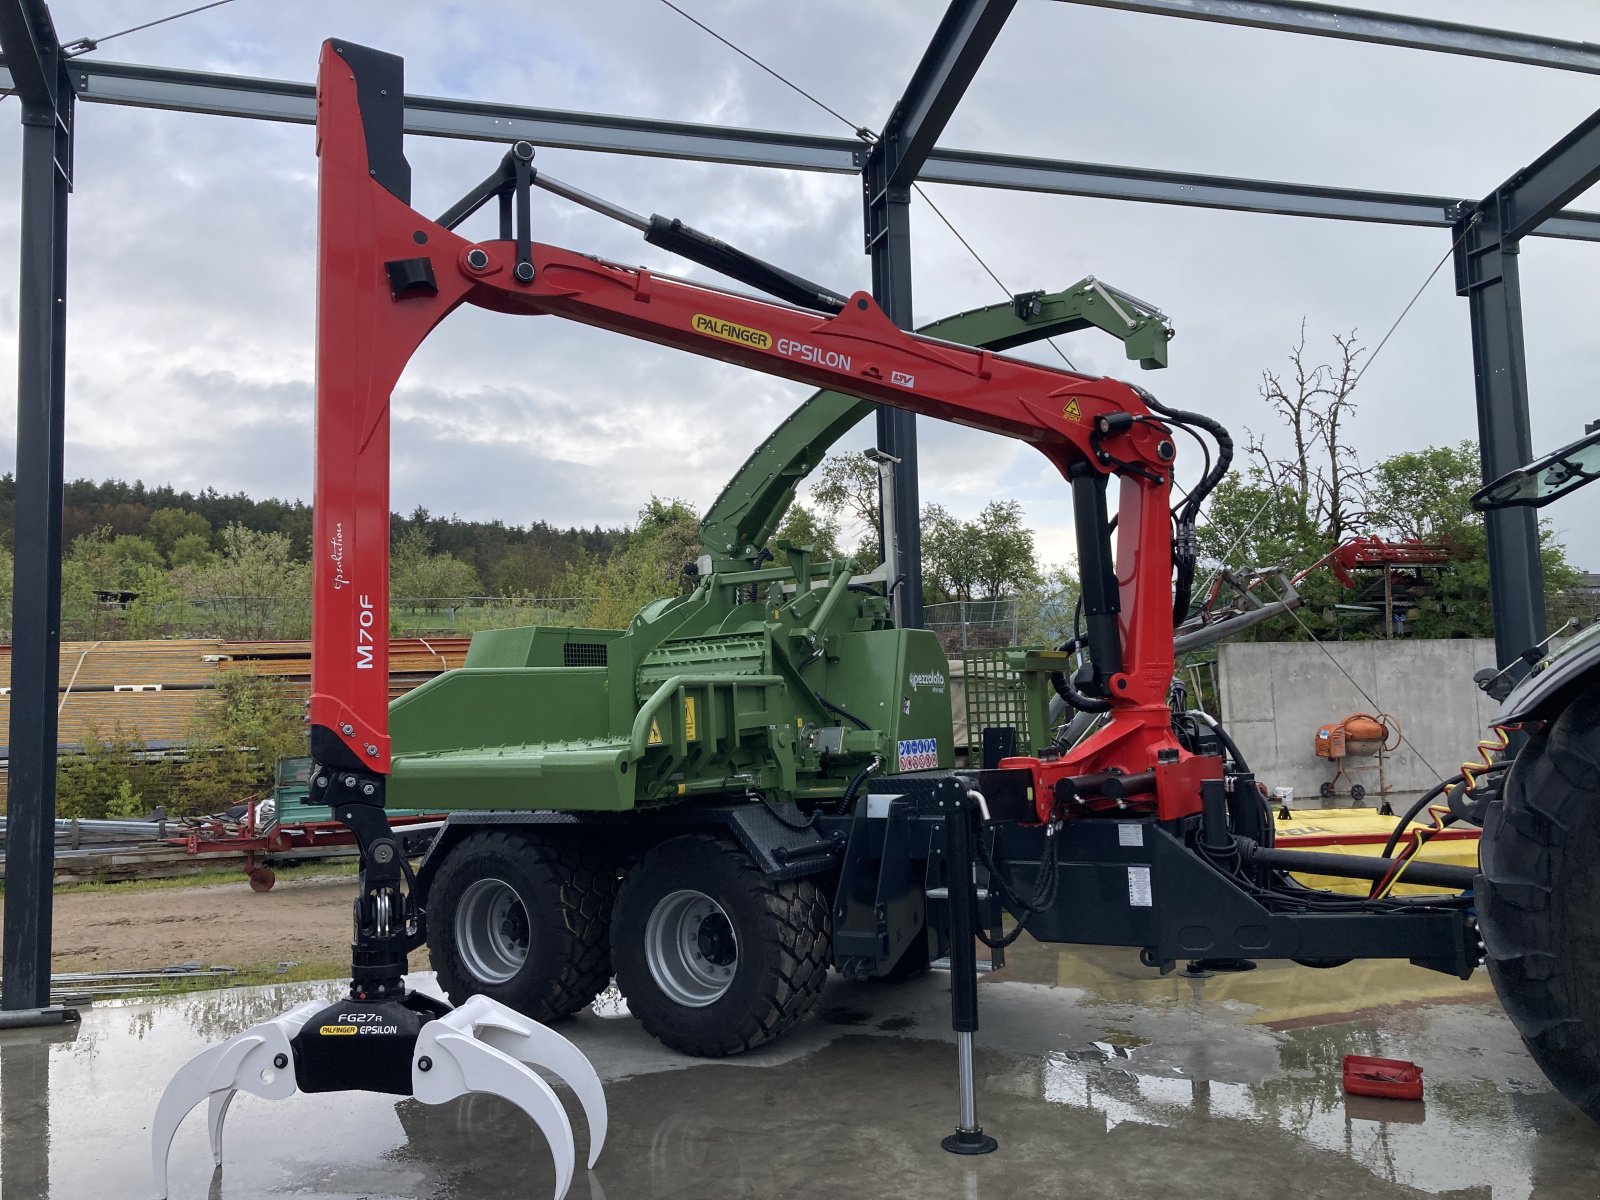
(954, 54)
(47, 114)
(1488, 236)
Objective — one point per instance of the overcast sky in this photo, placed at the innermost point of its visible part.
(191, 294)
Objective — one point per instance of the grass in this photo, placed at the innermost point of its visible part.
(202, 879)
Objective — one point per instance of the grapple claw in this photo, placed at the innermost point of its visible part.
(258, 1060)
(527, 1041)
(450, 1062)
(412, 1045)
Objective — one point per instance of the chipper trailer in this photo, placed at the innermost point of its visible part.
(754, 783)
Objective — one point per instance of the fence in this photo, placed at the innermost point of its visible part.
(963, 625)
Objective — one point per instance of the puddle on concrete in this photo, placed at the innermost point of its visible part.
(1090, 1067)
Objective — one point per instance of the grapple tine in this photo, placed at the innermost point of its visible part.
(258, 1060)
(450, 1063)
(526, 1040)
(216, 1114)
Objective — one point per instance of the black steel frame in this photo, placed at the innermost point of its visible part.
(38, 73)
(1486, 234)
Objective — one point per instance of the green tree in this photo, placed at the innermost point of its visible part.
(417, 573)
(1005, 550)
(169, 526)
(647, 566)
(1045, 606)
(986, 558)
(256, 589)
(950, 555)
(803, 526)
(191, 550)
(1424, 495)
(238, 732)
(109, 778)
(846, 494)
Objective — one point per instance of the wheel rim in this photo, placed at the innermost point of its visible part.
(491, 928)
(691, 948)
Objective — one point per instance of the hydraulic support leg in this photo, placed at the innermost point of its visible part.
(969, 1137)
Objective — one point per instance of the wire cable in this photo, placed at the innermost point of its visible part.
(1371, 358)
(861, 131)
(866, 134)
(84, 45)
(1367, 696)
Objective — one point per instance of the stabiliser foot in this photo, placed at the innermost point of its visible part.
(970, 1141)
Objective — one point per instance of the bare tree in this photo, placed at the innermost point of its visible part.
(1323, 475)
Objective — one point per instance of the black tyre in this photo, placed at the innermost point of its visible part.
(1325, 789)
(1358, 793)
(1539, 899)
(713, 957)
(523, 921)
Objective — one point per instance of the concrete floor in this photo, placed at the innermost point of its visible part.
(1099, 1079)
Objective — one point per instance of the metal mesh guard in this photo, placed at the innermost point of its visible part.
(995, 696)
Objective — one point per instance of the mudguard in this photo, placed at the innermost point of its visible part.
(1572, 667)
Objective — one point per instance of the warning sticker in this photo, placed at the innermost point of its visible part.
(729, 332)
(688, 719)
(1072, 412)
(919, 754)
(1129, 834)
(1139, 888)
(655, 733)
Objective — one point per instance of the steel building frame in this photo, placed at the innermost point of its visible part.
(1486, 234)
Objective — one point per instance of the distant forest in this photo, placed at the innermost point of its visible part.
(506, 559)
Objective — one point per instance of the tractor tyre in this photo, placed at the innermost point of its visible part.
(1539, 898)
(523, 921)
(714, 957)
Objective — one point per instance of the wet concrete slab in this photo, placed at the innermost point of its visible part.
(1097, 1076)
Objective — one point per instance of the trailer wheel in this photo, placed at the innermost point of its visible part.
(1539, 902)
(714, 957)
(523, 921)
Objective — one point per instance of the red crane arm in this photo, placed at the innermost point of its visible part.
(388, 275)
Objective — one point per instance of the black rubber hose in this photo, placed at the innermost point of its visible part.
(843, 712)
(1071, 695)
(1215, 428)
(1415, 810)
(854, 786)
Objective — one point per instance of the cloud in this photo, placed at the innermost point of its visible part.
(191, 295)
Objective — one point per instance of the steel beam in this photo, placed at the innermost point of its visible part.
(47, 117)
(953, 56)
(1384, 29)
(1558, 176)
(274, 100)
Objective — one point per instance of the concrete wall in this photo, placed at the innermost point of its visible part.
(1275, 695)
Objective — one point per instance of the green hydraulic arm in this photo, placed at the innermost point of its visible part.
(736, 528)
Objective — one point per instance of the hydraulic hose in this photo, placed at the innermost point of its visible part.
(1185, 544)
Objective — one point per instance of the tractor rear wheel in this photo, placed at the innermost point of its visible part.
(524, 921)
(714, 957)
(1539, 901)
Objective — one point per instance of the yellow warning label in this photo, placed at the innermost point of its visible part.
(729, 332)
(338, 1031)
(688, 719)
(655, 733)
(1071, 411)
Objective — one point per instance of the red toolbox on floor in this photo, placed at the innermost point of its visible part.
(1386, 1078)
